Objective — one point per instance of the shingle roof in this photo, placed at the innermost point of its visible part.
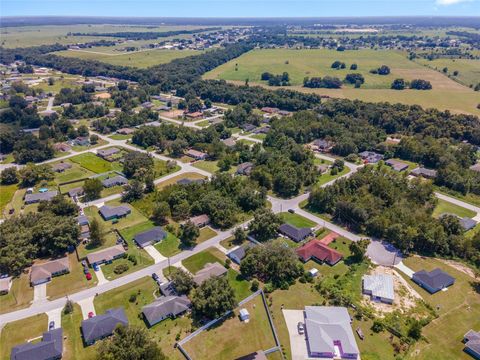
(150, 236)
(294, 233)
(46, 196)
(168, 288)
(5, 283)
(108, 152)
(240, 252)
(76, 191)
(208, 271)
(420, 171)
(396, 165)
(105, 254)
(200, 219)
(244, 168)
(316, 249)
(101, 326)
(117, 211)
(61, 166)
(43, 271)
(436, 279)
(116, 180)
(165, 306)
(229, 142)
(82, 220)
(379, 285)
(51, 347)
(467, 223)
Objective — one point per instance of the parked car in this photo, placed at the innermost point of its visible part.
(291, 211)
(301, 328)
(85, 270)
(91, 314)
(155, 276)
(84, 263)
(51, 325)
(96, 267)
(88, 276)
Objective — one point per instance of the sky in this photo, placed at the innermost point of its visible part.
(240, 8)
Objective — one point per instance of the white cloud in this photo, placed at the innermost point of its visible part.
(450, 2)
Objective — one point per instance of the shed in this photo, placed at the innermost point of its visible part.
(244, 314)
(313, 272)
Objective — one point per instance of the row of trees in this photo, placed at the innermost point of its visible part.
(417, 84)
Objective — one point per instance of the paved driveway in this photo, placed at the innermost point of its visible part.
(55, 316)
(405, 269)
(87, 306)
(101, 278)
(298, 343)
(154, 253)
(40, 293)
(383, 253)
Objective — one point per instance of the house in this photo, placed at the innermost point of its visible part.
(270, 110)
(61, 147)
(397, 165)
(370, 157)
(262, 130)
(208, 271)
(475, 167)
(5, 285)
(472, 343)
(61, 167)
(106, 255)
(35, 198)
(101, 326)
(114, 181)
(42, 273)
(81, 141)
(105, 153)
(239, 253)
(423, 172)
(294, 233)
(125, 131)
(248, 127)
(284, 113)
(467, 224)
(82, 220)
(379, 287)
(150, 237)
(434, 280)
(318, 251)
(49, 348)
(322, 168)
(330, 333)
(244, 168)
(47, 113)
(168, 288)
(165, 307)
(194, 115)
(186, 181)
(200, 220)
(197, 155)
(78, 191)
(244, 314)
(230, 142)
(114, 212)
(322, 145)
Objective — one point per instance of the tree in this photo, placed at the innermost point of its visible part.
(9, 176)
(97, 237)
(190, 233)
(82, 130)
(383, 70)
(161, 212)
(94, 139)
(133, 161)
(353, 78)
(240, 235)
(353, 67)
(68, 309)
(265, 224)
(182, 281)
(415, 330)
(92, 188)
(130, 343)
(133, 191)
(359, 249)
(59, 205)
(213, 298)
(32, 174)
(420, 84)
(398, 84)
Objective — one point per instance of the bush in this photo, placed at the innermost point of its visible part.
(420, 84)
(354, 78)
(132, 298)
(377, 326)
(228, 262)
(68, 309)
(254, 286)
(121, 268)
(353, 67)
(132, 259)
(268, 288)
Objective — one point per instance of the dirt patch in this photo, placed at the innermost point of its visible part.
(460, 267)
(173, 114)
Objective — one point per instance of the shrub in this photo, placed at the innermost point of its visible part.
(254, 286)
(120, 269)
(132, 298)
(132, 259)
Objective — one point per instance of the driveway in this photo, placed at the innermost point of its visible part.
(154, 253)
(405, 269)
(40, 293)
(87, 306)
(298, 343)
(55, 316)
(101, 278)
(383, 253)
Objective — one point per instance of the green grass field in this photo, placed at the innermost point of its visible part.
(468, 69)
(20, 295)
(6, 195)
(94, 163)
(297, 220)
(447, 207)
(197, 262)
(74, 173)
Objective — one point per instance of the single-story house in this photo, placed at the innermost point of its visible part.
(82, 220)
(78, 191)
(165, 307)
(194, 115)
(322, 168)
(379, 287)
(262, 130)
(329, 333)
(434, 280)
(147, 105)
(47, 112)
(197, 155)
(35, 198)
(200, 220)
(230, 142)
(423, 172)
(81, 141)
(62, 147)
(472, 343)
(84, 231)
(239, 253)
(106, 255)
(150, 237)
(209, 270)
(50, 348)
(248, 127)
(318, 251)
(114, 181)
(101, 326)
(125, 131)
(370, 157)
(5, 285)
(284, 113)
(105, 153)
(244, 168)
(186, 181)
(270, 110)
(42, 273)
(114, 212)
(467, 223)
(475, 167)
(397, 165)
(294, 233)
(322, 145)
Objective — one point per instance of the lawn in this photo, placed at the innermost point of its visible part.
(470, 198)
(197, 262)
(20, 295)
(110, 240)
(120, 137)
(239, 284)
(160, 168)
(221, 340)
(169, 246)
(6, 195)
(76, 172)
(229, 243)
(297, 220)
(205, 234)
(73, 344)
(210, 166)
(95, 164)
(447, 207)
(327, 176)
(19, 332)
(459, 310)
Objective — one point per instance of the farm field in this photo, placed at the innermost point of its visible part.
(139, 59)
(446, 93)
(468, 69)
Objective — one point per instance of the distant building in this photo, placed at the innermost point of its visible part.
(165, 307)
(294, 233)
(244, 168)
(150, 237)
(208, 271)
(106, 255)
(370, 157)
(248, 127)
(270, 110)
(125, 131)
(50, 348)
(105, 153)
(35, 198)
(61, 147)
(379, 287)
(114, 212)
(320, 252)
(194, 115)
(78, 191)
(397, 165)
(61, 167)
(472, 343)
(197, 155)
(423, 172)
(115, 181)
(230, 142)
(434, 280)
(42, 273)
(322, 145)
(102, 326)
(81, 141)
(475, 167)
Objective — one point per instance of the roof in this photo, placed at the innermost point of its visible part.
(209, 270)
(467, 223)
(76, 191)
(195, 153)
(472, 335)
(244, 168)
(200, 219)
(396, 165)
(475, 167)
(116, 180)
(326, 326)
(380, 285)
(5, 283)
(270, 110)
(103, 325)
(316, 249)
(108, 152)
(322, 143)
(240, 252)
(45, 270)
(420, 171)
(473, 345)
(150, 236)
(82, 220)
(61, 166)
(165, 306)
(168, 288)
(105, 254)
(51, 347)
(229, 142)
(435, 279)
(114, 211)
(46, 196)
(296, 234)
(257, 355)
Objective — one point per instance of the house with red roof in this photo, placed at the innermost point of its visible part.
(320, 252)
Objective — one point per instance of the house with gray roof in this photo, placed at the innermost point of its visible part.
(82, 220)
(102, 326)
(200, 220)
(472, 343)
(61, 167)
(106, 255)
(244, 168)
(114, 181)
(165, 307)
(105, 153)
(467, 223)
(42, 273)
(239, 253)
(379, 287)
(397, 165)
(423, 172)
(230, 142)
(370, 157)
(294, 233)
(434, 280)
(150, 237)
(78, 191)
(329, 333)
(208, 271)
(50, 348)
(168, 288)
(114, 212)
(35, 198)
